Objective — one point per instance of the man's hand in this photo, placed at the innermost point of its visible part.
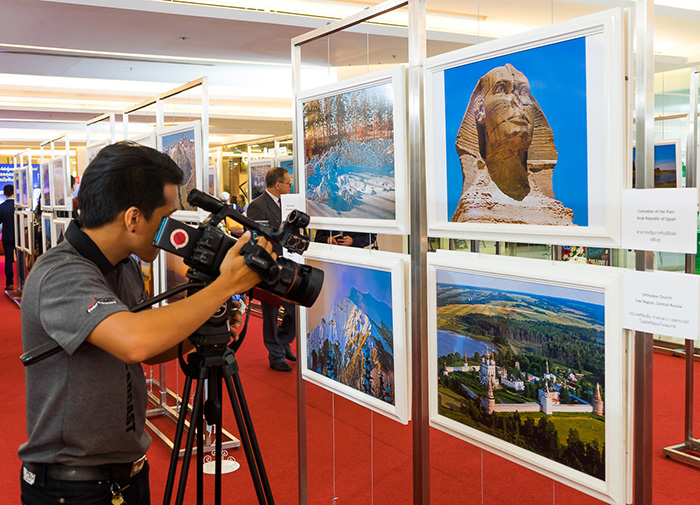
(235, 272)
(346, 241)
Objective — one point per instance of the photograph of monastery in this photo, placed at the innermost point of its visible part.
(524, 362)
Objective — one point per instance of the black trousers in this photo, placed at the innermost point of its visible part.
(277, 338)
(45, 491)
(9, 262)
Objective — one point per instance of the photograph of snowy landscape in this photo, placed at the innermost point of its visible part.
(181, 147)
(349, 154)
(524, 362)
(350, 334)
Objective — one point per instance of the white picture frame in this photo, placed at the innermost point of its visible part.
(59, 225)
(94, 148)
(593, 44)
(17, 183)
(350, 265)
(45, 183)
(18, 221)
(190, 138)
(375, 202)
(27, 239)
(46, 231)
(146, 139)
(534, 279)
(61, 197)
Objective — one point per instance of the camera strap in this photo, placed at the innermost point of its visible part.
(244, 330)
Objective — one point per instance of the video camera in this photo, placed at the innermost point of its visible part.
(204, 249)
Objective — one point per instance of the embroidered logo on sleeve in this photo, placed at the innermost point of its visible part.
(100, 300)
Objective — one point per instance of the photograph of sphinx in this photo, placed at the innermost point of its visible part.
(350, 330)
(181, 146)
(516, 138)
(349, 157)
(524, 362)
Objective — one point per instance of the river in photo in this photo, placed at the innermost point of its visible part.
(449, 341)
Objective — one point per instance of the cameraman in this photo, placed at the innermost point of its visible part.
(86, 405)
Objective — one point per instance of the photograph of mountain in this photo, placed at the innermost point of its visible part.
(524, 362)
(257, 169)
(181, 147)
(349, 157)
(350, 331)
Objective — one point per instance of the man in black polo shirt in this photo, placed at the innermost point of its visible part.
(86, 405)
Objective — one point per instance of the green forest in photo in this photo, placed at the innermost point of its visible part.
(543, 342)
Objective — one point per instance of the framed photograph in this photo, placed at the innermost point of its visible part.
(27, 232)
(146, 139)
(17, 183)
(668, 169)
(46, 219)
(95, 147)
(25, 189)
(288, 163)
(19, 234)
(353, 167)
(60, 184)
(257, 169)
(151, 276)
(353, 339)
(183, 143)
(527, 360)
(213, 174)
(59, 225)
(525, 135)
(45, 183)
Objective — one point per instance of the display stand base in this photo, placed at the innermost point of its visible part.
(15, 296)
(158, 407)
(688, 452)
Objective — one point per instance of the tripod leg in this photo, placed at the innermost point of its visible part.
(196, 414)
(178, 440)
(243, 432)
(200, 458)
(219, 442)
(253, 437)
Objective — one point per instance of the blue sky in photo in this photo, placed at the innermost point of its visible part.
(338, 281)
(557, 75)
(174, 138)
(516, 286)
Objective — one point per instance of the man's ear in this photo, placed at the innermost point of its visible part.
(132, 218)
(479, 111)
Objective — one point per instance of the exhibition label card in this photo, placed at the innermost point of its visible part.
(290, 202)
(660, 219)
(664, 303)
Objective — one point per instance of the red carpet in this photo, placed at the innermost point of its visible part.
(373, 455)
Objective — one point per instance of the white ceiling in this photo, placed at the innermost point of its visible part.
(64, 62)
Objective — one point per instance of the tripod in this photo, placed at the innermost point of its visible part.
(214, 363)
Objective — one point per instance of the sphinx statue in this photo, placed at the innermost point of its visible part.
(507, 152)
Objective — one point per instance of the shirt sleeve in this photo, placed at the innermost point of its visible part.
(74, 299)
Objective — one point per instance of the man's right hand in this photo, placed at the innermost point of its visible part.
(235, 272)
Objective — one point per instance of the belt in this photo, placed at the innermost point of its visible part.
(80, 473)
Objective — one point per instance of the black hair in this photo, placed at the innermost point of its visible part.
(8, 190)
(275, 175)
(124, 175)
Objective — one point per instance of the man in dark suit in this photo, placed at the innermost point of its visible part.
(7, 218)
(267, 207)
